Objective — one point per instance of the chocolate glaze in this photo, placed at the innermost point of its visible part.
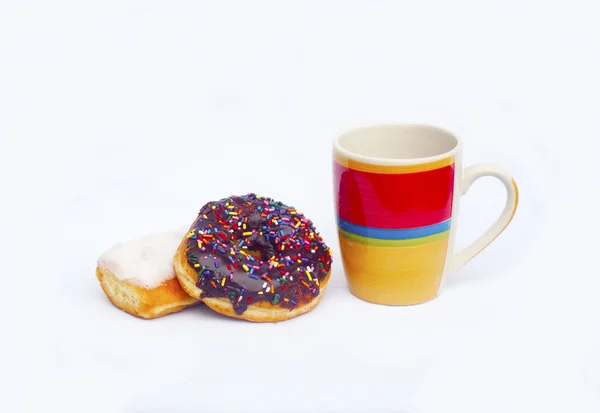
(251, 249)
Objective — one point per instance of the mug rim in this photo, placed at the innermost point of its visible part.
(396, 161)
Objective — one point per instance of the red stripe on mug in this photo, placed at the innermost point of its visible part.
(395, 201)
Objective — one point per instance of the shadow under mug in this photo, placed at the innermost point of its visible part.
(397, 190)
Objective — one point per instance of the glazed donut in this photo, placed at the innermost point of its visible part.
(253, 258)
(138, 277)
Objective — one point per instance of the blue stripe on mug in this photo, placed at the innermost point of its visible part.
(394, 234)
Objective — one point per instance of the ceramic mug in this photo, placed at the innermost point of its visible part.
(397, 190)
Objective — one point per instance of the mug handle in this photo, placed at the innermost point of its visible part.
(470, 175)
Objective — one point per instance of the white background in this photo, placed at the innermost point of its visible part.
(121, 118)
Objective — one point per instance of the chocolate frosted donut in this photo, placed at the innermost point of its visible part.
(252, 257)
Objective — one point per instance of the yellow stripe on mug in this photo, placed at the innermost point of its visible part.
(394, 275)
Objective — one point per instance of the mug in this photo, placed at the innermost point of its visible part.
(397, 190)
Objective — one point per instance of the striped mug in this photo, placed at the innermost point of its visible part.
(397, 190)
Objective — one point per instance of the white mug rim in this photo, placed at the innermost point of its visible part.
(396, 161)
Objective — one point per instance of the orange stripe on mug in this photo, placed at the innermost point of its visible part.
(391, 169)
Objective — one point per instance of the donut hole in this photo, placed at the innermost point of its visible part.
(255, 253)
(259, 247)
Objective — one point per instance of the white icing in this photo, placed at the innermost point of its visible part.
(145, 261)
